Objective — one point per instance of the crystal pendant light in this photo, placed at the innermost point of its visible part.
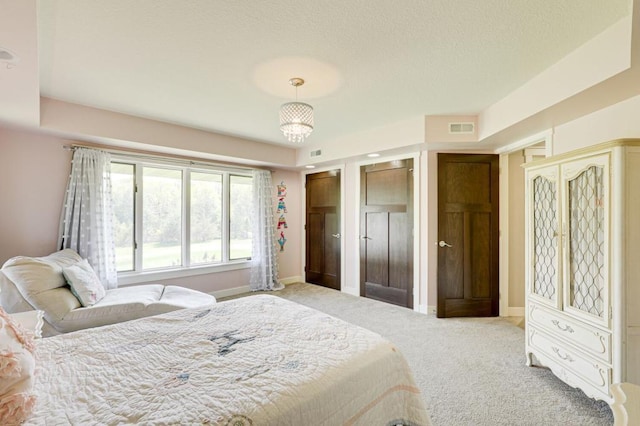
(296, 118)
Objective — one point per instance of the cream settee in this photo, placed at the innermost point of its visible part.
(37, 283)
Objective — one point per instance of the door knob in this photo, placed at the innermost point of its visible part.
(444, 244)
(335, 235)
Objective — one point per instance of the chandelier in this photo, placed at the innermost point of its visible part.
(296, 118)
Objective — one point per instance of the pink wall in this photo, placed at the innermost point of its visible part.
(617, 121)
(141, 133)
(290, 260)
(437, 128)
(33, 176)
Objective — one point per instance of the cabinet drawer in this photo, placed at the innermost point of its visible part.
(597, 375)
(584, 336)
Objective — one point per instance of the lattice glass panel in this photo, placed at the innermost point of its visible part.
(586, 241)
(545, 234)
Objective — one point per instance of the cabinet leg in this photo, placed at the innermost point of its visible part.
(529, 361)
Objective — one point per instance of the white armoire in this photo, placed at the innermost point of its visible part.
(583, 266)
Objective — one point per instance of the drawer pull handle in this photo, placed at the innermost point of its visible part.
(566, 328)
(566, 357)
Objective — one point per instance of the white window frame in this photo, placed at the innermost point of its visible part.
(138, 275)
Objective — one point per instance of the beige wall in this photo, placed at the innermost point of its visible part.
(516, 230)
(437, 128)
(290, 260)
(615, 122)
(144, 134)
(33, 176)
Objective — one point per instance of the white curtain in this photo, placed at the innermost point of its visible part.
(264, 262)
(86, 223)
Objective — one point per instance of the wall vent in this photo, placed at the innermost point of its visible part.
(316, 153)
(462, 128)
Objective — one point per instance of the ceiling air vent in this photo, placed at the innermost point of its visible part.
(462, 128)
(316, 153)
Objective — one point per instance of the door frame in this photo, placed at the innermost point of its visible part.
(303, 240)
(503, 211)
(494, 234)
(417, 265)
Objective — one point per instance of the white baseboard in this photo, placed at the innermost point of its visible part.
(512, 312)
(291, 280)
(218, 294)
(515, 312)
(421, 309)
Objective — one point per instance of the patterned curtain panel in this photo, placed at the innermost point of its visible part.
(86, 224)
(264, 262)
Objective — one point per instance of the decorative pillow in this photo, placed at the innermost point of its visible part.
(17, 366)
(39, 282)
(84, 283)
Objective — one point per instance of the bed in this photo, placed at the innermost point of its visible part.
(258, 360)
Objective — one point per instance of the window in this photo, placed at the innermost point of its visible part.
(123, 198)
(206, 218)
(161, 218)
(171, 217)
(240, 196)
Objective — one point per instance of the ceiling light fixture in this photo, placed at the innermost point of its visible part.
(296, 118)
(373, 155)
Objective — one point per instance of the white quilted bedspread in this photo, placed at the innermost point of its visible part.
(259, 360)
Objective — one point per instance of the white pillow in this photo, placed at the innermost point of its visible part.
(38, 283)
(84, 283)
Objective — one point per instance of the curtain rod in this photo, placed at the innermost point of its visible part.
(181, 161)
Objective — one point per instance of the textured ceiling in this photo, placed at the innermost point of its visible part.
(224, 66)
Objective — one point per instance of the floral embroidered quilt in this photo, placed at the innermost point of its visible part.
(258, 360)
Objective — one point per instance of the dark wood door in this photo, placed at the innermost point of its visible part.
(323, 229)
(386, 232)
(468, 235)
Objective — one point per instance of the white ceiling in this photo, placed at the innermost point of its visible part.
(224, 66)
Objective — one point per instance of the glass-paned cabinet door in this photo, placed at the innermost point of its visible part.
(586, 184)
(544, 234)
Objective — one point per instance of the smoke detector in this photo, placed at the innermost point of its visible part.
(8, 57)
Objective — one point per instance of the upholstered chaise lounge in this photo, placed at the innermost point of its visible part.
(38, 283)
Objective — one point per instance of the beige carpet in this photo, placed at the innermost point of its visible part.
(470, 371)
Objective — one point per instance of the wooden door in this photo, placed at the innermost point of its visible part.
(468, 235)
(386, 232)
(323, 229)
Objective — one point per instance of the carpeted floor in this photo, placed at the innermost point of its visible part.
(471, 371)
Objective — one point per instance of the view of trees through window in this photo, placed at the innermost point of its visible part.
(206, 218)
(161, 218)
(240, 202)
(122, 194)
(163, 201)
